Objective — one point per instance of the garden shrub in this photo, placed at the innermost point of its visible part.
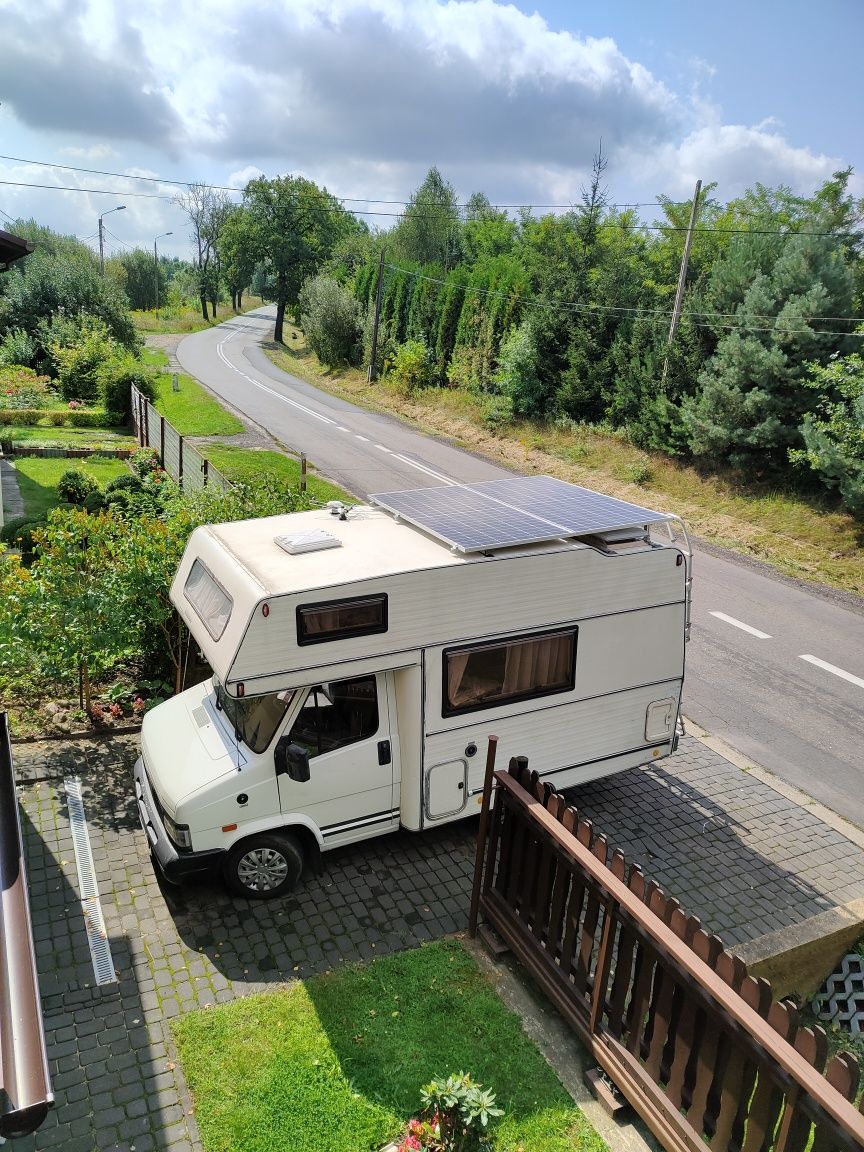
(144, 461)
(93, 502)
(75, 486)
(22, 388)
(127, 481)
(116, 377)
(331, 320)
(411, 366)
(10, 529)
(18, 533)
(79, 362)
(17, 347)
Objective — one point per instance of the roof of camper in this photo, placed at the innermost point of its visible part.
(422, 529)
(372, 544)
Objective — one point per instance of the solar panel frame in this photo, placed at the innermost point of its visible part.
(514, 511)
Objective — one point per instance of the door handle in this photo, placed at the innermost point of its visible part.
(384, 756)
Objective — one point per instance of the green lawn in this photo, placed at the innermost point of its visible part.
(336, 1063)
(253, 463)
(192, 410)
(91, 438)
(38, 477)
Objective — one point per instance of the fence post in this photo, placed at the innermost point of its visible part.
(482, 835)
(302, 471)
(162, 441)
(180, 463)
(205, 468)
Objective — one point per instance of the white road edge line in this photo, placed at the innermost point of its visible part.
(833, 668)
(740, 624)
(263, 387)
(317, 415)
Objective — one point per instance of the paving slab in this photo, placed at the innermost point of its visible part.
(734, 851)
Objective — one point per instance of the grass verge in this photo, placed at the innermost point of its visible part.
(807, 539)
(38, 477)
(192, 410)
(335, 1064)
(256, 463)
(189, 319)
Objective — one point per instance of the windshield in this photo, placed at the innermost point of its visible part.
(255, 718)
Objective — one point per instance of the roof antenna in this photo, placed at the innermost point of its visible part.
(340, 509)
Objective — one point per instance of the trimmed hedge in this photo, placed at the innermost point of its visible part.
(61, 417)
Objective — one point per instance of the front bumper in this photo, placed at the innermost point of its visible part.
(175, 865)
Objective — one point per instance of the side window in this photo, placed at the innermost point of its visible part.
(487, 675)
(334, 715)
(340, 619)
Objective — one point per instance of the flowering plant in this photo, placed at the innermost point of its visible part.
(455, 1117)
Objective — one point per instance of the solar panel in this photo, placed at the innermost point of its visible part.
(514, 511)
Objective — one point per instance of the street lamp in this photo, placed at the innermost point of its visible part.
(119, 208)
(156, 269)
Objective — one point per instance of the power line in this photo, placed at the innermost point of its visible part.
(412, 215)
(655, 315)
(231, 188)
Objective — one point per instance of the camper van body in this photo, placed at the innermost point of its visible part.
(356, 681)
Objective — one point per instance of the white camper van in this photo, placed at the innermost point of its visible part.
(362, 656)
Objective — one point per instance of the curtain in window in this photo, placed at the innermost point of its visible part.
(457, 662)
(536, 664)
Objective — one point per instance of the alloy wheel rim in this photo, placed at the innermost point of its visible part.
(262, 869)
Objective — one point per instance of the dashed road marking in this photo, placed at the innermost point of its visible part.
(834, 669)
(740, 624)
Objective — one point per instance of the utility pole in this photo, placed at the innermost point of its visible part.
(119, 208)
(156, 270)
(682, 281)
(372, 375)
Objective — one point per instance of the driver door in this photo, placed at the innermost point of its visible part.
(345, 727)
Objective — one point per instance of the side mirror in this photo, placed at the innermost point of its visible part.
(291, 760)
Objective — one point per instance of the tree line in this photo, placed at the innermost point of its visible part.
(566, 317)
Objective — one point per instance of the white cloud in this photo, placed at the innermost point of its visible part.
(364, 95)
(736, 156)
(241, 178)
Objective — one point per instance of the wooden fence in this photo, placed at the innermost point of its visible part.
(697, 1046)
(183, 463)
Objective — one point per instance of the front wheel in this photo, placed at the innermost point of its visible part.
(264, 867)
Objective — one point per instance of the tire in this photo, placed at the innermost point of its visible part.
(264, 867)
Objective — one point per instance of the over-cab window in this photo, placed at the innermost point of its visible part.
(211, 602)
(486, 675)
(339, 619)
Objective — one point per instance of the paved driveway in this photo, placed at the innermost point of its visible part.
(731, 849)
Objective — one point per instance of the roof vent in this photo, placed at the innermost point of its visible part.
(315, 540)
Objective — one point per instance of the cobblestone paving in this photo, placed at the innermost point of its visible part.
(733, 851)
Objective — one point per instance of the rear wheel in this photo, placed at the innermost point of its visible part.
(264, 867)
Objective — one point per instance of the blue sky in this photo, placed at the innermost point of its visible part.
(363, 95)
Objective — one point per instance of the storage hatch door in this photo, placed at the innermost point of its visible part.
(446, 789)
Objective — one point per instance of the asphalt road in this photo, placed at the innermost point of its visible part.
(774, 668)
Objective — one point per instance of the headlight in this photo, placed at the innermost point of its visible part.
(179, 833)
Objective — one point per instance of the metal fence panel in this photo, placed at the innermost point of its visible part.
(185, 464)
